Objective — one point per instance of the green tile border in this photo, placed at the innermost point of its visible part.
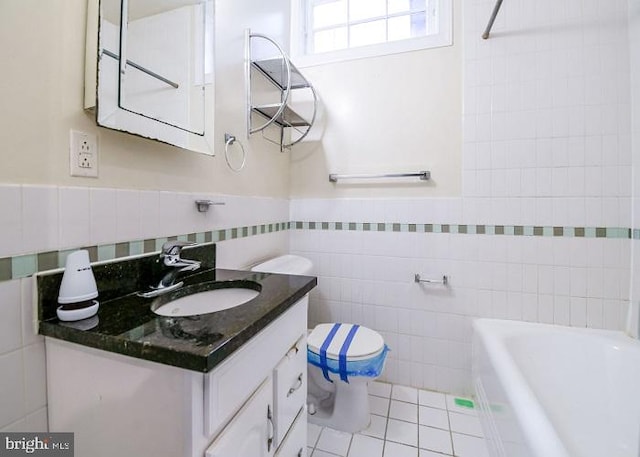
(470, 229)
(21, 266)
(6, 271)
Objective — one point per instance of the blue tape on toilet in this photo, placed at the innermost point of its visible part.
(342, 357)
(371, 368)
(323, 350)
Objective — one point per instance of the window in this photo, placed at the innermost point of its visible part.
(329, 30)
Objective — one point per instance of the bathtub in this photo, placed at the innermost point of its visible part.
(553, 391)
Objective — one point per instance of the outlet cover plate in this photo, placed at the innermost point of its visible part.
(83, 154)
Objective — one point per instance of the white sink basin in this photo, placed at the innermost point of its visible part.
(208, 301)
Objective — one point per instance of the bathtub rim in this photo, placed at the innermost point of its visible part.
(528, 412)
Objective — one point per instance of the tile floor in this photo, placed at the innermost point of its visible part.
(405, 422)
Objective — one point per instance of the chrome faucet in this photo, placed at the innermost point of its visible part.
(170, 256)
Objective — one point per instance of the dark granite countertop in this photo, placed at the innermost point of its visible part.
(126, 324)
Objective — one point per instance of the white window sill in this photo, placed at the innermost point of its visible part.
(363, 52)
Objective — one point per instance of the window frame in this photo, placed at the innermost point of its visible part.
(299, 23)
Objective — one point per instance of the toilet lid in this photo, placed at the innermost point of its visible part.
(366, 343)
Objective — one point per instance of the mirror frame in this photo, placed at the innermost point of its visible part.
(139, 124)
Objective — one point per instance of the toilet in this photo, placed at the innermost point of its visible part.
(342, 359)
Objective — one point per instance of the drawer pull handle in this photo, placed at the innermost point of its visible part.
(270, 427)
(292, 352)
(297, 386)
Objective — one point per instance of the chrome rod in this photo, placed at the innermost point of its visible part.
(423, 175)
(142, 69)
(444, 281)
(496, 8)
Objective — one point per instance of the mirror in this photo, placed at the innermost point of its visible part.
(154, 74)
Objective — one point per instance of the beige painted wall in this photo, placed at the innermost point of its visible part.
(41, 98)
(386, 114)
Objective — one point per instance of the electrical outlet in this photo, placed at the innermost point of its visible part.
(83, 154)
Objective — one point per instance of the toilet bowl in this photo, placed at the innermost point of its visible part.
(342, 359)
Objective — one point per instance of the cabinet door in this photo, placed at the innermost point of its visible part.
(295, 443)
(250, 432)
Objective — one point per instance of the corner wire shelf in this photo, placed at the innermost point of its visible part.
(282, 74)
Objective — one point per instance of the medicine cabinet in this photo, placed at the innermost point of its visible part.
(150, 69)
(278, 95)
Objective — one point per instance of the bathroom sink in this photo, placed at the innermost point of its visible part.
(206, 298)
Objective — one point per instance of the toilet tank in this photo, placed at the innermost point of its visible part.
(286, 264)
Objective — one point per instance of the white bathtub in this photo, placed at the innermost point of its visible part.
(553, 391)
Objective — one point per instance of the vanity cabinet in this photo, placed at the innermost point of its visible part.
(251, 404)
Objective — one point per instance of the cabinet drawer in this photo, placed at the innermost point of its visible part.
(295, 442)
(290, 384)
(228, 386)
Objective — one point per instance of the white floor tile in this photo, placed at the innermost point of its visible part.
(465, 423)
(37, 421)
(469, 446)
(402, 432)
(399, 450)
(319, 453)
(394, 433)
(426, 453)
(404, 393)
(313, 433)
(380, 389)
(334, 441)
(452, 406)
(379, 405)
(377, 428)
(403, 411)
(17, 426)
(435, 439)
(433, 417)
(366, 446)
(432, 399)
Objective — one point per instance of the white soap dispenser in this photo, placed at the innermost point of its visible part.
(78, 289)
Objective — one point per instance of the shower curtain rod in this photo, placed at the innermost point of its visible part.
(496, 8)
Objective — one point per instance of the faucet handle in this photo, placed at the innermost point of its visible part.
(173, 248)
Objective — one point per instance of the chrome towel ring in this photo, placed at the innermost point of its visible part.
(229, 140)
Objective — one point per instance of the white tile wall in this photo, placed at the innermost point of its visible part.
(22, 363)
(40, 218)
(367, 277)
(45, 218)
(39, 203)
(10, 208)
(546, 112)
(546, 142)
(634, 40)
